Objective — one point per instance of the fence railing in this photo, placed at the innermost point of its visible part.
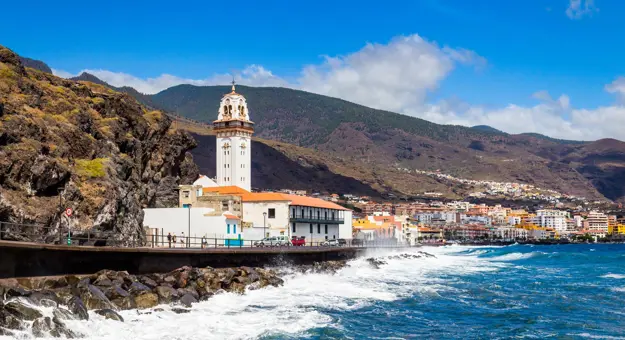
(65, 236)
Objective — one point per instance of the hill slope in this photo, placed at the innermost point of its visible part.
(105, 154)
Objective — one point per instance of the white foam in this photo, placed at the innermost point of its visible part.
(613, 276)
(515, 256)
(618, 289)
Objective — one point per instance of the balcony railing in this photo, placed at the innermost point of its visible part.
(306, 218)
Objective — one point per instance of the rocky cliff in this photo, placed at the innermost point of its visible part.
(79, 145)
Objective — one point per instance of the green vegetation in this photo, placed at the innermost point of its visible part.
(94, 168)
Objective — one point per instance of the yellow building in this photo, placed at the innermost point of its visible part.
(617, 229)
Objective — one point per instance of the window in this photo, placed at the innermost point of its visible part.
(272, 213)
(235, 229)
(224, 166)
(185, 194)
(224, 206)
(318, 228)
(326, 229)
(228, 230)
(311, 228)
(293, 227)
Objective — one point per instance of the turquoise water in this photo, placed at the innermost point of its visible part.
(562, 292)
(529, 292)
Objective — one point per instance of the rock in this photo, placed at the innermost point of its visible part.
(15, 292)
(375, 263)
(187, 299)
(205, 297)
(110, 314)
(103, 281)
(200, 283)
(77, 307)
(170, 280)
(8, 320)
(254, 286)
(115, 292)
(63, 314)
(226, 275)
(60, 330)
(166, 294)
(242, 280)
(20, 309)
(147, 300)
(192, 292)
(180, 310)
(236, 287)
(83, 283)
(46, 298)
(64, 295)
(72, 280)
(94, 298)
(42, 327)
(137, 288)
(125, 303)
(6, 332)
(183, 279)
(148, 282)
(275, 281)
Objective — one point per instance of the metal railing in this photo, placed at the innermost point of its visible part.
(64, 236)
(307, 218)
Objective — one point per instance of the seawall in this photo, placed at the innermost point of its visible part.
(20, 259)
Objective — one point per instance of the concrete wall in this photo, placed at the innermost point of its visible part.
(176, 222)
(253, 213)
(29, 259)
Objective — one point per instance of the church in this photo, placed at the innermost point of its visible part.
(225, 206)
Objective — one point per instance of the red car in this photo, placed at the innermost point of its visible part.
(298, 241)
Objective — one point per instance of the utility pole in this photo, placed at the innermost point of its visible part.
(189, 227)
(265, 224)
(60, 192)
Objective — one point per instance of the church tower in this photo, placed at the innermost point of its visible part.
(234, 132)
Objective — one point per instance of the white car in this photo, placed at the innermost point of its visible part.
(331, 243)
(274, 241)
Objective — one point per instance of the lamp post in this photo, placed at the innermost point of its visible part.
(264, 224)
(60, 192)
(189, 226)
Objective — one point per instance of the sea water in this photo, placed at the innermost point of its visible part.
(519, 291)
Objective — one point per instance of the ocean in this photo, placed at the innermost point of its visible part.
(518, 291)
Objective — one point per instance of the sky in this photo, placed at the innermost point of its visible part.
(554, 67)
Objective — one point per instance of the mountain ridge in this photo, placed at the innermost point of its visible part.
(381, 139)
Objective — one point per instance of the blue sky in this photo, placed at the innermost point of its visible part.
(521, 47)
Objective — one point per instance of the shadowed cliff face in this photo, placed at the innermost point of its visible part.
(106, 155)
(271, 169)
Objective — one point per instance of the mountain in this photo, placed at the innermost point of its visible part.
(36, 64)
(80, 145)
(486, 128)
(386, 147)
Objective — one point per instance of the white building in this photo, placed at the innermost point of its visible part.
(234, 132)
(196, 223)
(597, 222)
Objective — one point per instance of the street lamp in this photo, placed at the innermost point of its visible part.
(264, 224)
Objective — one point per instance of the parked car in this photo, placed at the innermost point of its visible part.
(334, 243)
(274, 241)
(298, 241)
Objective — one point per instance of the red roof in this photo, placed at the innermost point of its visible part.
(231, 217)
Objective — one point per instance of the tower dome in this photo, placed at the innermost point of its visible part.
(233, 107)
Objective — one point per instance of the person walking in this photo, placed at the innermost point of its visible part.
(169, 239)
(182, 240)
(204, 242)
(173, 239)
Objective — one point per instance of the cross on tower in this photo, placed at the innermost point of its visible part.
(233, 83)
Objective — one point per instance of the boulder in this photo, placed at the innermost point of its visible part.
(8, 320)
(187, 299)
(42, 327)
(110, 314)
(125, 303)
(94, 298)
(148, 282)
(275, 281)
(226, 275)
(166, 294)
(137, 288)
(10, 292)
(242, 280)
(83, 283)
(21, 309)
(60, 330)
(192, 292)
(236, 287)
(180, 310)
(147, 300)
(103, 281)
(46, 298)
(61, 313)
(78, 308)
(115, 292)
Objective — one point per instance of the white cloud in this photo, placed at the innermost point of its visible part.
(579, 8)
(397, 76)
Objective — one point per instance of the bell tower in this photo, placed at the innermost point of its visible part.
(234, 130)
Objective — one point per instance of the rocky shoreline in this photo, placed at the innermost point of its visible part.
(106, 292)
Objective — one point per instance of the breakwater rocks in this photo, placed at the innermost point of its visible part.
(376, 262)
(106, 292)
